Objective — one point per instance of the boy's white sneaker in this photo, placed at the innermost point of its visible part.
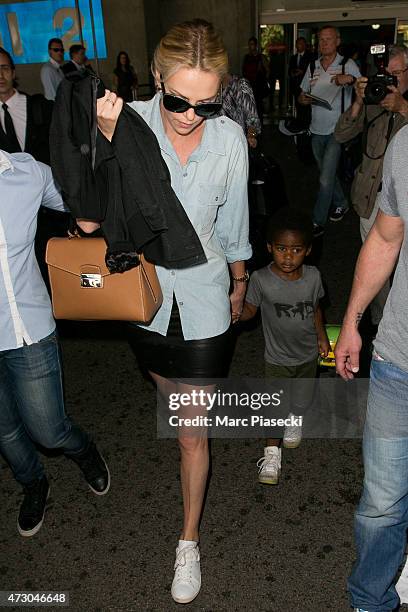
(187, 577)
(270, 465)
(292, 435)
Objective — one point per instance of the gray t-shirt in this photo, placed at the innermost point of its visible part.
(392, 338)
(287, 309)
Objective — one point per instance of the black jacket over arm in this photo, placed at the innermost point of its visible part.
(124, 184)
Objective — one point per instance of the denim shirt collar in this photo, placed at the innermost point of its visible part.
(210, 142)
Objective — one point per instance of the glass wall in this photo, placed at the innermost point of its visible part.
(402, 33)
(276, 43)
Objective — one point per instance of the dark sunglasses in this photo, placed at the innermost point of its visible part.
(174, 104)
(57, 49)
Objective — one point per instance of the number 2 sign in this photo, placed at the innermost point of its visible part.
(26, 27)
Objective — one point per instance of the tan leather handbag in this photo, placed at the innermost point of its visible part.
(83, 289)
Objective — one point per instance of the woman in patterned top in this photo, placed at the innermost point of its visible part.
(239, 104)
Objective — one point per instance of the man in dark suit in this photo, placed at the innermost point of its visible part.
(24, 126)
(24, 120)
(298, 64)
(77, 60)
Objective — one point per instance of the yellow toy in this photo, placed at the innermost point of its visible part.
(333, 332)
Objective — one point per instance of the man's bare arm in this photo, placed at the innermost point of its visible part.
(375, 264)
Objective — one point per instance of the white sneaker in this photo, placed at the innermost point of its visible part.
(292, 435)
(187, 577)
(338, 214)
(270, 465)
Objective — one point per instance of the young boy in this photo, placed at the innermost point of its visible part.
(288, 294)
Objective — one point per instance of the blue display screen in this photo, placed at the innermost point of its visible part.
(26, 27)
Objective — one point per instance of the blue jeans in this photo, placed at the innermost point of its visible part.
(327, 154)
(381, 519)
(32, 408)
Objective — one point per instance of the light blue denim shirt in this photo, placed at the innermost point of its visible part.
(25, 308)
(212, 188)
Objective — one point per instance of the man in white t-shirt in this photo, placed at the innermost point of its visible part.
(330, 77)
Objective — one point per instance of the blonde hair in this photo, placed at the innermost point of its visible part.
(192, 44)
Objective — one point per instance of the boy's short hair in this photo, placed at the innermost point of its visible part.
(290, 219)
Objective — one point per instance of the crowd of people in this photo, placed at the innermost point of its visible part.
(205, 120)
(124, 77)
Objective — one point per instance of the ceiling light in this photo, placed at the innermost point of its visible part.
(375, 26)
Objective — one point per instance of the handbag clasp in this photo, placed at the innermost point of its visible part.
(91, 281)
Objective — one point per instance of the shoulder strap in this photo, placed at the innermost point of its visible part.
(367, 125)
(343, 68)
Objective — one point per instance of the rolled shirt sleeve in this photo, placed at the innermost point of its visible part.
(232, 225)
(352, 68)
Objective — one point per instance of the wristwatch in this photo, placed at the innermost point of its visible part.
(242, 279)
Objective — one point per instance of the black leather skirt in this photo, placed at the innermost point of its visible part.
(173, 357)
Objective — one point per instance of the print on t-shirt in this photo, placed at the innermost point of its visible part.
(303, 309)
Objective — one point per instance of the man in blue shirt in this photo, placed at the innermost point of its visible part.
(51, 72)
(31, 394)
(332, 81)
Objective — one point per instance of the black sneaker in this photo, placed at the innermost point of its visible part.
(338, 214)
(32, 509)
(94, 468)
(318, 230)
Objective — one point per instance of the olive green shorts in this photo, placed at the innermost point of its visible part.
(304, 370)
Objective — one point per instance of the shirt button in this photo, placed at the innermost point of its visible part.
(222, 121)
(173, 273)
(216, 199)
(185, 174)
(181, 303)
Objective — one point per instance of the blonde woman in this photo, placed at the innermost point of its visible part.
(207, 159)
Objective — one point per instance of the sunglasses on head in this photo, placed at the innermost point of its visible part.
(174, 104)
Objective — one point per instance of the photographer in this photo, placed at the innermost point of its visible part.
(377, 123)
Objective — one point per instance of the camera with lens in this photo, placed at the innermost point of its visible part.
(377, 85)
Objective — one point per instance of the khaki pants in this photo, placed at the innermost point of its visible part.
(378, 303)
